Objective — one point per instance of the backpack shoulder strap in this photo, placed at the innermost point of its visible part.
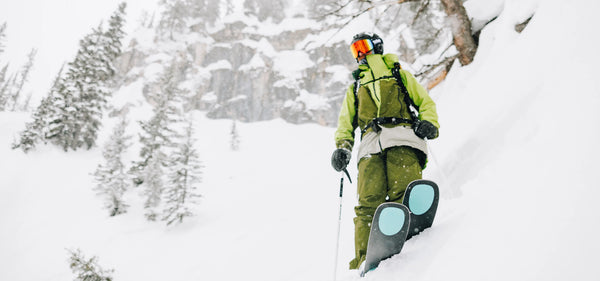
(355, 91)
(409, 102)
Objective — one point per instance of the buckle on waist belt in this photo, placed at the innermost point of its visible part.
(376, 123)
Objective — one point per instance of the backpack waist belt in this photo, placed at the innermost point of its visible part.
(376, 122)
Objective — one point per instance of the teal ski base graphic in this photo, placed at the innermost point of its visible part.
(421, 198)
(394, 223)
(388, 233)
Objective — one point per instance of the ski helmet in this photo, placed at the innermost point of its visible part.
(365, 42)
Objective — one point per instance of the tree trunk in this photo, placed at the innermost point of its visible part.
(461, 30)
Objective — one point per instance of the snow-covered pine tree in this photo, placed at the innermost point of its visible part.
(36, 130)
(95, 70)
(87, 269)
(3, 77)
(2, 35)
(20, 81)
(111, 178)
(235, 136)
(174, 17)
(63, 128)
(82, 97)
(207, 10)
(178, 15)
(157, 137)
(153, 174)
(5, 87)
(114, 35)
(11, 88)
(3, 96)
(65, 125)
(184, 173)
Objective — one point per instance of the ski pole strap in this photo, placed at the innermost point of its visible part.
(377, 122)
(348, 175)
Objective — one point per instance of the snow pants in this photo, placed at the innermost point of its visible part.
(382, 177)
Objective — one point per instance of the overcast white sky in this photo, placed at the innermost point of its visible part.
(54, 28)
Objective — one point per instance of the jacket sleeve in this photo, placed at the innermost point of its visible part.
(344, 135)
(418, 94)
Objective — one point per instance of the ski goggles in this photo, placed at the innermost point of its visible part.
(364, 46)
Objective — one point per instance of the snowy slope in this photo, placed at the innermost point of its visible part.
(516, 163)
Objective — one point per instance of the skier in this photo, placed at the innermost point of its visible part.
(393, 148)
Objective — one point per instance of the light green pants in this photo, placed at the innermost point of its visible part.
(382, 177)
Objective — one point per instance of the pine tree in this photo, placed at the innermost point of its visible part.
(152, 175)
(235, 137)
(207, 10)
(3, 74)
(184, 174)
(36, 130)
(157, 137)
(20, 80)
(63, 127)
(111, 179)
(82, 96)
(3, 82)
(5, 87)
(115, 34)
(2, 35)
(174, 17)
(89, 73)
(87, 269)
(3, 96)
(178, 15)
(11, 88)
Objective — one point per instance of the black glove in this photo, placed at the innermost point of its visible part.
(340, 159)
(424, 129)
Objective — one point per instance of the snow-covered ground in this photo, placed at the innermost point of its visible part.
(516, 163)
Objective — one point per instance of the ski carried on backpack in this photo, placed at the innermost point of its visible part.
(394, 223)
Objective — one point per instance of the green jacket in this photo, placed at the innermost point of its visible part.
(380, 96)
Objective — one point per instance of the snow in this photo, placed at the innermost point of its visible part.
(292, 63)
(339, 73)
(516, 162)
(219, 65)
(309, 101)
(269, 28)
(255, 63)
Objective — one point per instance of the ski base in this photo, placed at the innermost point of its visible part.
(394, 223)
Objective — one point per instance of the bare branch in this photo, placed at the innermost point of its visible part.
(424, 6)
(372, 5)
(351, 17)
(336, 11)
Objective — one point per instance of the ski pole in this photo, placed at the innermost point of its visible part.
(337, 244)
(436, 163)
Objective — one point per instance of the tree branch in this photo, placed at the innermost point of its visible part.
(337, 11)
